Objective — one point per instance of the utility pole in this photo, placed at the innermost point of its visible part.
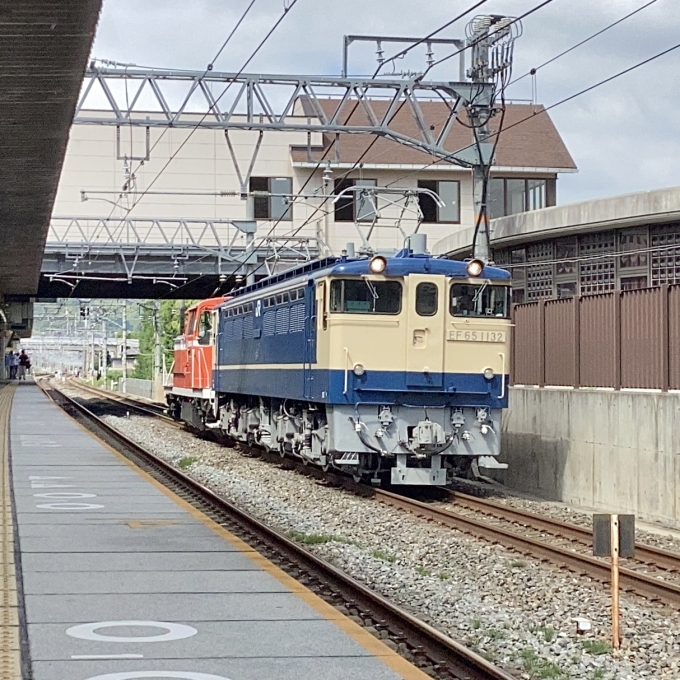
(156, 341)
(491, 39)
(92, 354)
(124, 356)
(105, 351)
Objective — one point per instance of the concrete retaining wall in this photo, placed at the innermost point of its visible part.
(613, 451)
(144, 388)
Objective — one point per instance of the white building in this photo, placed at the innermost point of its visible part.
(191, 175)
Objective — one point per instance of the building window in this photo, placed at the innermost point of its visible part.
(515, 193)
(509, 195)
(495, 199)
(632, 242)
(666, 260)
(597, 274)
(448, 192)
(566, 254)
(354, 206)
(634, 282)
(271, 198)
(566, 290)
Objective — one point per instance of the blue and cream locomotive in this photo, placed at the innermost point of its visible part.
(385, 368)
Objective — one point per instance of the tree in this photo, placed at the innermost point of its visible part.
(168, 327)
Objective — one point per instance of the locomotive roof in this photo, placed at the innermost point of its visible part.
(417, 264)
(401, 264)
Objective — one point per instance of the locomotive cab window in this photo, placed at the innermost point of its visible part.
(426, 299)
(480, 300)
(205, 328)
(363, 296)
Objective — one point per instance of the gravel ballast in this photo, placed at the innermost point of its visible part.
(516, 611)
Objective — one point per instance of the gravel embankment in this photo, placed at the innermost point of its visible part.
(516, 611)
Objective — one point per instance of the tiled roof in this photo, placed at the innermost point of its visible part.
(534, 143)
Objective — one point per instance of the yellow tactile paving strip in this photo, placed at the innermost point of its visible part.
(10, 651)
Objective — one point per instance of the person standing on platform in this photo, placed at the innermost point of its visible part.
(13, 366)
(24, 365)
(8, 364)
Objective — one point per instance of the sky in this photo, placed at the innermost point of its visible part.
(620, 135)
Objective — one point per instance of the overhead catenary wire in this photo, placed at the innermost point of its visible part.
(209, 67)
(357, 163)
(193, 129)
(472, 43)
(128, 209)
(583, 42)
(551, 106)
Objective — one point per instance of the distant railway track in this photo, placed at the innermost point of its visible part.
(533, 535)
(156, 410)
(432, 651)
(469, 521)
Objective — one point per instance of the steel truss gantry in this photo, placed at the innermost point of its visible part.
(230, 101)
(166, 248)
(141, 97)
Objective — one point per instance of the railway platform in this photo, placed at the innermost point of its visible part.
(109, 576)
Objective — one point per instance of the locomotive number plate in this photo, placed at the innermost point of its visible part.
(477, 336)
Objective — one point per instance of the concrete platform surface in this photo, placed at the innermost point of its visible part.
(124, 581)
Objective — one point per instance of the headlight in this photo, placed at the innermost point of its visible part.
(488, 373)
(475, 268)
(358, 369)
(377, 264)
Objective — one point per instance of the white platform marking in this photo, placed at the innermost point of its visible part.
(176, 631)
(37, 441)
(69, 506)
(106, 656)
(179, 675)
(64, 494)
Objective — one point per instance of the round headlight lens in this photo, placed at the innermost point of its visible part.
(475, 267)
(358, 369)
(377, 264)
(488, 373)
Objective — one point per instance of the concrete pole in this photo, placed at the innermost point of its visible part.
(92, 357)
(104, 351)
(156, 340)
(124, 357)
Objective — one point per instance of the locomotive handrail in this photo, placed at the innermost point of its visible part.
(346, 370)
(502, 356)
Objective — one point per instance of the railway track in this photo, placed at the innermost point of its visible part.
(645, 554)
(429, 649)
(632, 581)
(148, 408)
(548, 539)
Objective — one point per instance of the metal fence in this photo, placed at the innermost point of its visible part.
(623, 339)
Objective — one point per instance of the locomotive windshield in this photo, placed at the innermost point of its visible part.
(363, 296)
(482, 299)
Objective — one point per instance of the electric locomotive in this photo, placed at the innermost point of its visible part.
(387, 368)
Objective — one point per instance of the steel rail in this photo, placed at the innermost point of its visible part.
(434, 651)
(658, 557)
(646, 585)
(631, 581)
(143, 407)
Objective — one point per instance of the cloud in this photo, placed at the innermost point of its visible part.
(620, 134)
